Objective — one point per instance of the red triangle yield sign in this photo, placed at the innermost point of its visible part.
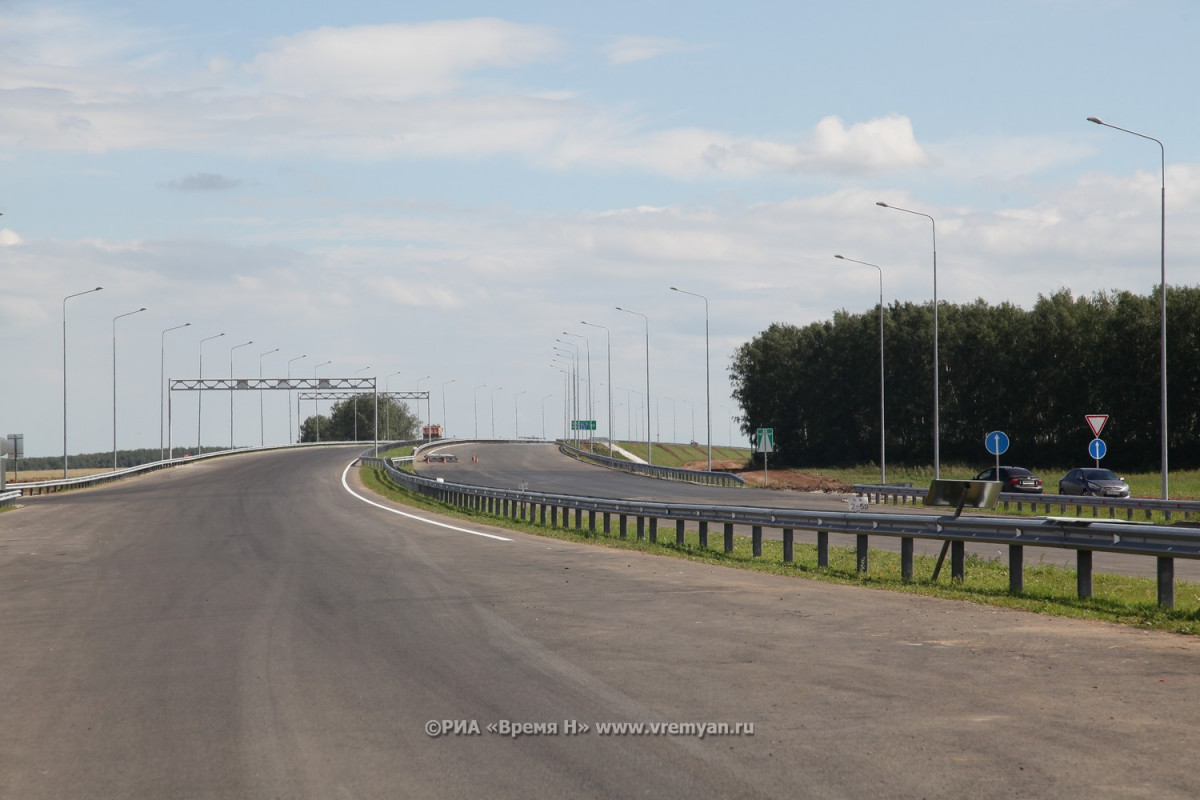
(1096, 423)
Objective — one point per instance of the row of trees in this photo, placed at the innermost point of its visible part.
(1032, 374)
(353, 420)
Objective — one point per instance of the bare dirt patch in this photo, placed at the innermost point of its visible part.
(794, 480)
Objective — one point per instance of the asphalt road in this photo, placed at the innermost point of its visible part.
(546, 469)
(248, 628)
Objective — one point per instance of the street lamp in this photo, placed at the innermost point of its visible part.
(882, 445)
(65, 299)
(428, 409)
(262, 430)
(1162, 294)
(707, 390)
(114, 376)
(316, 403)
(162, 386)
(200, 393)
(516, 415)
(235, 347)
(646, 320)
(937, 462)
(363, 369)
(574, 354)
(444, 426)
(608, 338)
(497, 389)
(476, 399)
(587, 346)
(291, 430)
(567, 365)
(387, 397)
(544, 399)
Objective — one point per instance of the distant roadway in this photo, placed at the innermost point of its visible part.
(253, 627)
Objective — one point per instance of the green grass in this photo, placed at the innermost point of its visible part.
(668, 454)
(1048, 589)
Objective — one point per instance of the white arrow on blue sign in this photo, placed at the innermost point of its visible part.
(996, 442)
(1097, 448)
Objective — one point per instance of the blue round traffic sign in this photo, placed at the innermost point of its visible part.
(1097, 448)
(996, 442)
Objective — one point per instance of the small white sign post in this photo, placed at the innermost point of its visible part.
(764, 442)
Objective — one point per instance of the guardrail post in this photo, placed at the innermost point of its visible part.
(1166, 581)
(654, 530)
(958, 560)
(906, 559)
(542, 513)
(1083, 573)
(862, 554)
(756, 540)
(641, 527)
(578, 519)
(822, 548)
(607, 523)
(591, 520)
(680, 540)
(1016, 568)
(623, 525)
(553, 516)
(789, 539)
(728, 537)
(703, 533)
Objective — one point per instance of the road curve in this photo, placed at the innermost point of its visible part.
(248, 627)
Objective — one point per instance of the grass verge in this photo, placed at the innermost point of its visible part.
(1048, 589)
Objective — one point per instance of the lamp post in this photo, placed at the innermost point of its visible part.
(937, 461)
(1162, 294)
(64, 315)
(707, 389)
(444, 426)
(262, 430)
(428, 409)
(357, 371)
(544, 399)
(200, 392)
(316, 403)
(561, 361)
(608, 338)
(114, 378)
(646, 320)
(291, 430)
(517, 414)
(574, 354)
(387, 392)
(235, 347)
(564, 372)
(497, 389)
(162, 386)
(476, 405)
(587, 347)
(882, 440)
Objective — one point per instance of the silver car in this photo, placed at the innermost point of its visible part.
(1094, 481)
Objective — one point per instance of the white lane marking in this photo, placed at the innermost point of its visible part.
(414, 516)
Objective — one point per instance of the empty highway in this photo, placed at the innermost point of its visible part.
(252, 627)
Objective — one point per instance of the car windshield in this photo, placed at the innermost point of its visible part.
(1100, 475)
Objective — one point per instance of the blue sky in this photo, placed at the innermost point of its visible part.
(443, 190)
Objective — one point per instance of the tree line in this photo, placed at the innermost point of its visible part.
(1033, 374)
(353, 420)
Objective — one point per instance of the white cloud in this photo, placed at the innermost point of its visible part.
(398, 60)
(629, 49)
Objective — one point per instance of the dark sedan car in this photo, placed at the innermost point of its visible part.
(1015, 479)
(1094, 481)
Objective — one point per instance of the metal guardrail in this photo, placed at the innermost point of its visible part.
(903, 495)
(24, 488)
(1163, 542)
(665, 473)
(9, 498)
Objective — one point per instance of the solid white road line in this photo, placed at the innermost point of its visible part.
(413, 516)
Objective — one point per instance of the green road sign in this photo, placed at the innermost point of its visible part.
(764, 439)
